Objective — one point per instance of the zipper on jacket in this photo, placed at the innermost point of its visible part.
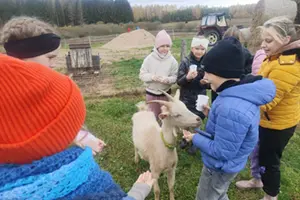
(267, 116)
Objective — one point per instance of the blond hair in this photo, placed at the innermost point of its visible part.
(24, 27)
(280, 28)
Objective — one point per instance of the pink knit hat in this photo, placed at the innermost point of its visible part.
(162, 38)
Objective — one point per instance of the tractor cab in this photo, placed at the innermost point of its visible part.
(213, 26)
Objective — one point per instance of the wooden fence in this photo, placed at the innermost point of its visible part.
(106, 38)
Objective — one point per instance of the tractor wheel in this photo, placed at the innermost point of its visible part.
(213, 37)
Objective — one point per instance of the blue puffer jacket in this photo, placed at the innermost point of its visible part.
(232, 124)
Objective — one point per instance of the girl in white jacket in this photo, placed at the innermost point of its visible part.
(159, 71)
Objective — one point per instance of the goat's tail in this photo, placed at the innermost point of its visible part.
(142, 106)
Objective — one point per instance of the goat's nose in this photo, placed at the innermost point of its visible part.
(198, 119)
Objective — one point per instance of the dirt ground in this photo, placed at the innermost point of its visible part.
(96, 85)
(102, 85)
(107, 56)
(124, 47)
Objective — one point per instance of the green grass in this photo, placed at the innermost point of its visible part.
(2, 50)
(176, 47)
(110, 119)
(126, 74)
(97, 45)
(177, 44)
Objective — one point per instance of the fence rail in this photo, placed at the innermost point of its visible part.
(107, 38)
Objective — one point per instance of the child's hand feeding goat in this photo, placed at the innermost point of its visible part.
(156, 144)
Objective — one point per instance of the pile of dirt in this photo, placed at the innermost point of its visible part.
(137, 39)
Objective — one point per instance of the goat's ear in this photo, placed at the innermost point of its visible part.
(163, 115)
(177, 94)
(164, 109)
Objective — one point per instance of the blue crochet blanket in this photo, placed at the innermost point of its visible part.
(71, 174)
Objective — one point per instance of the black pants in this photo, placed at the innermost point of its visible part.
(272, 143)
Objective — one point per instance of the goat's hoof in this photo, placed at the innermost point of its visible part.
(156, 197)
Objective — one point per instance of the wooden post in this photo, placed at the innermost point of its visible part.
(81, 55)
(90, 41)
(173, 34)
(183, 50)
(80, 60)
(65, 43)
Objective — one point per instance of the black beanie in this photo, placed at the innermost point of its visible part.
(225, 59)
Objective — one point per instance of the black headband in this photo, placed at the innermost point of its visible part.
(32, 47)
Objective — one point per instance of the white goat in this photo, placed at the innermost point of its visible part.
(156, 144)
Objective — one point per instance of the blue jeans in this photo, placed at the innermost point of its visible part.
(213, 185)
(254, 158)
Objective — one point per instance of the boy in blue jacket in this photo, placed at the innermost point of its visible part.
(233, 120)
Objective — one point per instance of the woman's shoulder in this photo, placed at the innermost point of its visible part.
(287, 64)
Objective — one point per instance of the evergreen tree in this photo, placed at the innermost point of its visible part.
(122, 11)
(76, 12)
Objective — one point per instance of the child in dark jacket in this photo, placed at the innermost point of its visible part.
(189, 76)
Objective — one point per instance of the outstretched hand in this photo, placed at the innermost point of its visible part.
(146, 178)
(188, 136)
(85, 138)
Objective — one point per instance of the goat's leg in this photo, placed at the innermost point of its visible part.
(171, 181)
(155, 176)
(136, 156)
(156, 188)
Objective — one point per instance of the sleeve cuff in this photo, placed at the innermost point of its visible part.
(201, 142)
(139, 191)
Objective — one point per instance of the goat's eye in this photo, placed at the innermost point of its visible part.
(177, 115)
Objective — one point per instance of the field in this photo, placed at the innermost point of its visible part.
(110, 101)
(109, 117)
(119, 72)
(113, 29)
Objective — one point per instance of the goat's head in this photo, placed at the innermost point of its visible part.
(177, 112)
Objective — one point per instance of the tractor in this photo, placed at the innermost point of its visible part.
(213, 26)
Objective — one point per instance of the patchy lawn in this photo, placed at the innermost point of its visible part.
(126, 74)
(110, 119)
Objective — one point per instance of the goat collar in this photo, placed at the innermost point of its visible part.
(169, 146)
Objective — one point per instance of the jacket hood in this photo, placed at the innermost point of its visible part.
(160, 56)
(254, 89)
(291, 46)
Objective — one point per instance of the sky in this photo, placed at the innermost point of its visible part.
(180, 3)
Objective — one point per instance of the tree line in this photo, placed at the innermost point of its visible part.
(77, 12)
(68, 12)
(170, 13)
